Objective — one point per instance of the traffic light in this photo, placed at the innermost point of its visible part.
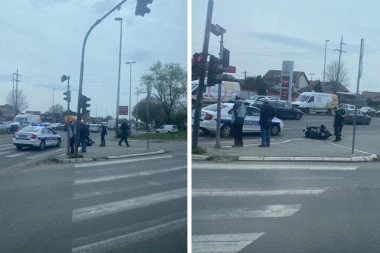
(67, 96)
(215, 71)
(226, 58)
(84, 105)
(196, 66)
(141, 7)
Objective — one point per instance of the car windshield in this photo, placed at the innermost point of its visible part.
(29, 129)
(303, 98)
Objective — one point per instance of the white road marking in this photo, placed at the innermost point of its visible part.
(18, 154)
(125, 205)
(120, 161)
(45, 154)
(350, 148)
(111, 190)
(218, 166)
(6, 145)
(223, 243)
(270, 211)
(129, 175)
(6, 152)
(132, 238)
(259, 193)
(8, 148)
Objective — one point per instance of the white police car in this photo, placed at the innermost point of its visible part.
(251, 122)
(39, 136)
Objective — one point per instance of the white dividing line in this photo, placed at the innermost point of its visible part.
(223, 243)
(350, 148)
(120, 161)
(257, 193)
(132, 238)
(18, 154)
(8, 148)
(218, 166)
(111, 190)
(45, 154)
(125, 205)
(129, 175)
(6, 145)
(270, 211)
(6, 152)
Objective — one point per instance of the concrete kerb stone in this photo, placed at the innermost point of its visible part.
(139, 154)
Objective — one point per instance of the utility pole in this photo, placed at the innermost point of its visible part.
(245, 75)
(201, 86)
(340, 53)
(13, 96)
(118, 80)
(16, 96)
(324, 67)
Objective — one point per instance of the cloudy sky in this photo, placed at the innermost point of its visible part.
(43, 40)
(261, 34)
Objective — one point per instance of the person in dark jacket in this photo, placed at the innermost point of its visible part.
(83, 135)
(72, 136)
(266, 116)
(338, 122)
(124, 133)
(102, 135)
(238, 115)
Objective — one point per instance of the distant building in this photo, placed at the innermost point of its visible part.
(6, 112)
(372, 98)
(273, 80)
(327, 87)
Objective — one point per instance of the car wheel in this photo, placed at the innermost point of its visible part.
(42, 145)
(225, 131)
(19, 147)
(275, 130)
(58, 143)
(298, 116)
(307, 110)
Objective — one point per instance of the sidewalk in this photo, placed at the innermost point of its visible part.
(113, 151)
(291, 150)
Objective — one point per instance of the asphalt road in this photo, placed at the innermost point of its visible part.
(286, 208)
(366, 137)
(129, 205)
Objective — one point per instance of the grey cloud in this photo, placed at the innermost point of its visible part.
(138, 55)
(285, 40)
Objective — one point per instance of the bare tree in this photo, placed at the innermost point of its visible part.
(56, 109)
(169, 84)
(332, 72)
(22, 103)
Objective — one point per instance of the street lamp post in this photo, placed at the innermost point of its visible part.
(130, 91)
(118, 79)
(53, 106)
(324, 67)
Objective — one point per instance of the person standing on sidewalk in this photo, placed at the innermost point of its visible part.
(72, 136)
(102, 135)
(338, 122)
(266, 116)
(124, 133)
(83, 134)
(238, 115)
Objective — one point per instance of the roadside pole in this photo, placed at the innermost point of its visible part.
(201, 86)
(68, 116)
(360, 71)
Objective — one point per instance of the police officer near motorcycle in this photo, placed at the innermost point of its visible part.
(338, 122)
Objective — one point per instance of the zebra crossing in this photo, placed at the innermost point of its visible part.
(234, 205)
(122, 203)
(9, 151)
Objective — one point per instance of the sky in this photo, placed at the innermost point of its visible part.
(43, 39)
(262, 34)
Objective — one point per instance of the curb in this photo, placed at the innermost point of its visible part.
(297, 159)
(90, 159)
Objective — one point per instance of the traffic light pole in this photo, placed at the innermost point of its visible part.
(201, 86)
(82, 70)
(68, 116)
(218, 113)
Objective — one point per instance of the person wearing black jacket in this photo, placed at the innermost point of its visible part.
(102, 134)
(338, 122)
(267, 114)
(124, 133)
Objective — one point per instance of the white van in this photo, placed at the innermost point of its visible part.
(316, 102)
(228, 92)
(167, 129)
(111, 124)
(24, 120)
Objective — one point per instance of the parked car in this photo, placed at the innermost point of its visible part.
(167, 129)
(257, 101)
(36, 136)
(348, 106)
(5, 126)
(284, 109)
(368, 111)
(94, 128)
(57, 126)
(361, 118)
(378, 113)
(251, 122)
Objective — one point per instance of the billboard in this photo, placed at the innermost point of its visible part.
(123, 110)
(287, 80)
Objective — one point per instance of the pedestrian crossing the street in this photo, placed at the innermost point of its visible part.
(234, 205)
(119, 205)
